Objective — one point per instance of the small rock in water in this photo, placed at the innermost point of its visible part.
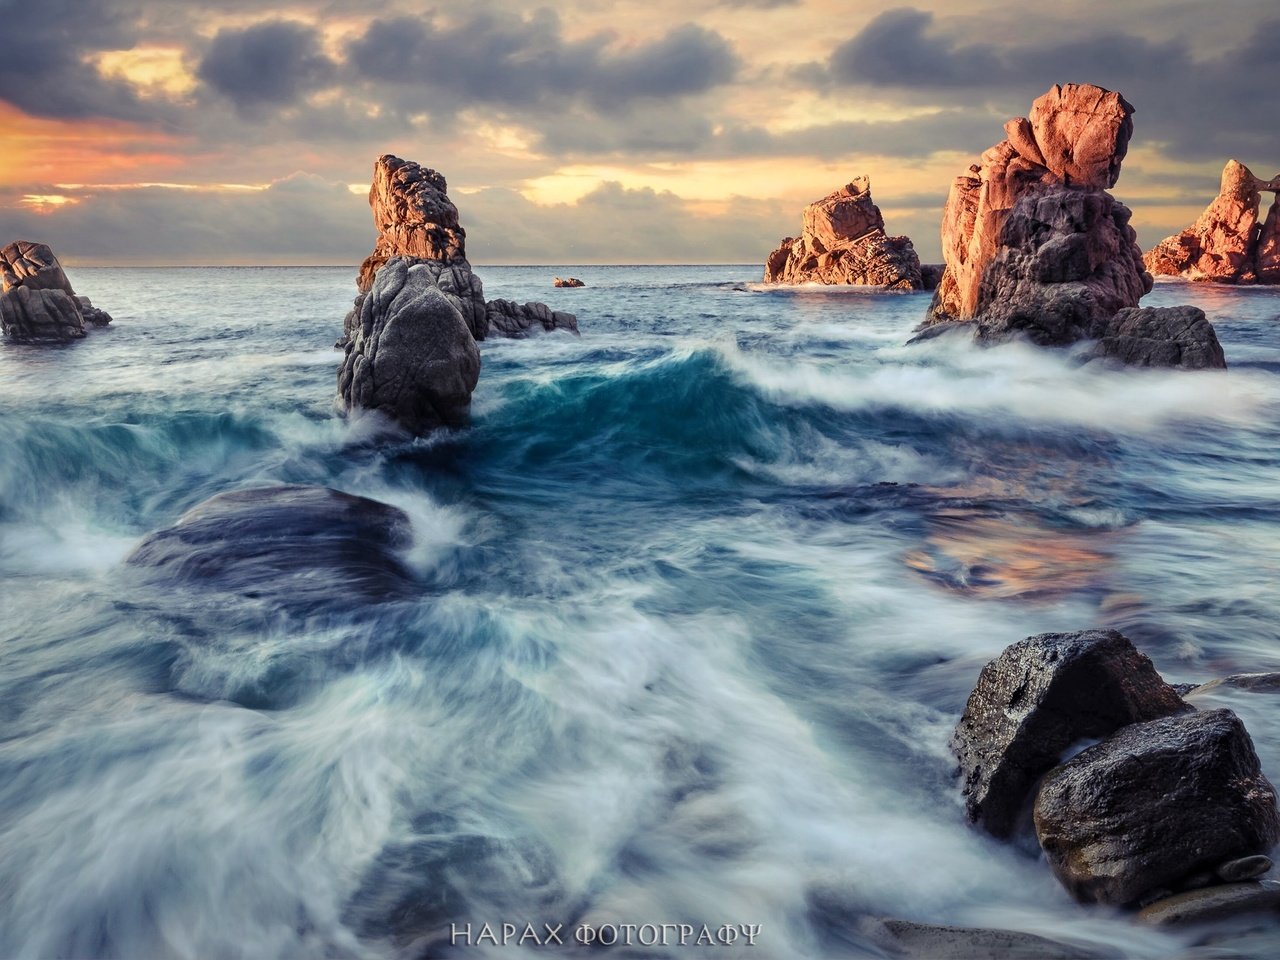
(1245, 868)
(1253, 682)
(567, 282)
(1213, 903)
(1161, 337)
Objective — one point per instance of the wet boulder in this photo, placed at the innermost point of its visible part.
(1154, 805)
(1211, 904)
(300, 544)
(1038, 698)
(409, 351)
(1161, 337)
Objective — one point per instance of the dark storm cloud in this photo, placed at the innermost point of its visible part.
(521, 62)
(275, 62)
(43, 47)
(1200, 107)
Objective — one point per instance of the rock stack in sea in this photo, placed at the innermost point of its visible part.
(410, 340)
(1036, 247)
(37, 303)
(1228, 243)
(1168, 809)
(844, 242)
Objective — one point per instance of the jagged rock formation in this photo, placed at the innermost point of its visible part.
(37, 303)
(844, 242)
(1161, 337)
(1032, 241)
(511, 319)
(409, 352)
(1225, 244)
(404, 352)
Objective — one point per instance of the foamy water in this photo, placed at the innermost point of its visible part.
(701, 595)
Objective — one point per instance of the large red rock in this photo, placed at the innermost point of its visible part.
(1075, 139)
(1268, 261)
(413, 214)
(1221, 246)
(844, 242)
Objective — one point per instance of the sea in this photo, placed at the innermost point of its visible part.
(699, 597)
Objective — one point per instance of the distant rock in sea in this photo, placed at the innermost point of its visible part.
(1033, 242)
(37, 303)
(410, 338)
(567, 282)
(844, 242)
(1225, 244)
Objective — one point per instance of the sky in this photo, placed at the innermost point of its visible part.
(586, 131)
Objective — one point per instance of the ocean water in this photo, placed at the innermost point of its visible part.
(702, 594)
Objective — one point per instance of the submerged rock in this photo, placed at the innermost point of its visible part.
(1155, 804)
(300, 544)
(1161, 337)
(1223, 245)
(37, 303)
(844, 242)
(512, 319)
(409, 352)
(1039, 697)
(927, 941)
(1074, 139)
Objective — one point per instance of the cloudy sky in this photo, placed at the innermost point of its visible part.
(586, 131)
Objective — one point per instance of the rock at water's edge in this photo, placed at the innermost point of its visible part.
(567, 282)
(1213, 903)
(1161, 337)
(510, 319)
(37, 304)
(1036, 699)
(1155, 804)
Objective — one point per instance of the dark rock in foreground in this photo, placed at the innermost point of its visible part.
(37, 303)
(300, 544)
(410, 354)
(1153, 805)
(844, 242)
(1213, 903)
(512, 319)
(926, 941)
(1161, 337)
(1036, 699)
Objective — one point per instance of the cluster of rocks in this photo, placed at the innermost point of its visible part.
(1036, 247)
(1227, 243)
(1168, 810)
(410, 340)
(844, 242)
(567, 282)
(37, 303)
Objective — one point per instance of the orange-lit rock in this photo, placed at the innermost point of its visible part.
(844, 242)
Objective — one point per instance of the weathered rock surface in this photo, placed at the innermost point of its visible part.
(844, 242)
(926, 941)
(567, 282)
(1161, 337)
(1039, 697)
(37, 303)
(1067, 261)
(510, 319)
(1075, 138)
(1154, 804)
(1213, 903)
(409, 351)
(1223, 245)
(300, 544)
(1268, 256)
(1254, 682)
(931, 275)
